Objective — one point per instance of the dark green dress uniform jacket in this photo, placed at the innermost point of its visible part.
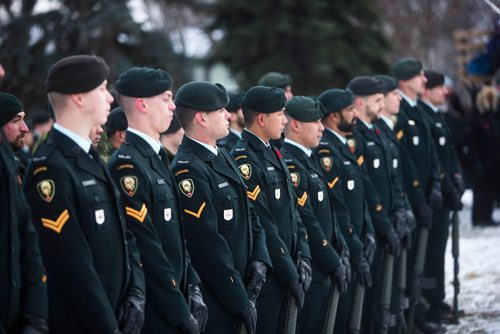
(152, 213)
(445, 150)
(222, 231)
(270, 190)
(90, 257)
(228, 141)
(414, 132)
(371, 156)
(23, 287)
(315, 208)
(340, 167)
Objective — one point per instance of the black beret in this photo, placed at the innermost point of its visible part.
(304, 109)
(275, 79)
(143, 82)
(234, 101)
(406, 68)
(389, 83)
(434, 79)
(117, 121)
(10, 106)
(334, 100)
(77, 74)
(202, 95)
(40, 118)
(365, 86)
(264, 99)
(174, 126)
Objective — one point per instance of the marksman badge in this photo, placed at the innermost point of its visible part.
(295, 179)
(46, 190)
(129, 184)
(187, 187)
(326, 163)
(351, 142)
(245, 171)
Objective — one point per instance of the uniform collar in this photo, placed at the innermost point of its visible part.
(341, 138)
(412, 103)
(368, 125)
(235, 132)
(387, 121)
(84, 143)
(208, 147)
(263, 142)
(304, 149)
(430, 105)
(155, 144)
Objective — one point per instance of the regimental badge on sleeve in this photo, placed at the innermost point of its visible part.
(129, 184)
(295, 179)
(245, 171)
(187, 187)
(46, 190)
(326, 163)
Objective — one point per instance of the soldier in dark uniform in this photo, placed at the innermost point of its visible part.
(451, 186)
(14, 128)
(371, 153)
(140, 168)
(341, 171)
(96, 284)
(23, 288)
(270, 189)
(224, 237)
(413, 130)
(303, 132)
(116, 127)
(236, 122)
(171, 139)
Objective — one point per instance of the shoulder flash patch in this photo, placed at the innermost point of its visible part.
(122, 166)
(240, 157)
(187, 187)
(40, 169)
(46, 190)
(324, 150)
(181, 171)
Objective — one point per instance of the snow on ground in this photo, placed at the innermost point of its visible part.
(479, 276)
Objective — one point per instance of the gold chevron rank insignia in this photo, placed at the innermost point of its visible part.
(254, 194)
(198, 213)
(58, 224)
(400, 134)
(302, 199)
(332, 184)
(361, 159)
(140, 215)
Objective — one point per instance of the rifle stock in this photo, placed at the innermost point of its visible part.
(455, 250)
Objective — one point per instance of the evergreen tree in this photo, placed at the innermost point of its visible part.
(320, 43)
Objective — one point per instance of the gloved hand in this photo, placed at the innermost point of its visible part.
(345, 256)
(362, 267)
(392, 242)
(297, 291)
(305, 273)
(458, 182)
(339, 276)
(455, 201)
(131, 314)
(369, 246)
(256, 277)
(198, 307)
(435, 196)
(411, 222)
(250, 318)
(424, 212)
(33, 324)
(189, 325)
(398, 219)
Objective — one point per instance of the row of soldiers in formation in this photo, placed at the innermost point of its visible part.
(308, 223)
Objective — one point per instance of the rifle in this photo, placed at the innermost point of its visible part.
(418, 270)
(357, 306)
(331, 310)
(292, 308)
(403, 300)
(455, 234)
(385, 300)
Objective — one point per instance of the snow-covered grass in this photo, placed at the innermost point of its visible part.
(479, 276)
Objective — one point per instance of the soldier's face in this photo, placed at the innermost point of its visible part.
(392, 100)
(437, 95)
(311, 133)
(217, 123)
(374, 106)
(98, 103)
(16, 131)
(346, 119)
(275, 123)
(417, 83)
(162, 109)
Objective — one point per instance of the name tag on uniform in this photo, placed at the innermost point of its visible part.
(320, 196)
(277, 193)
(161, 181)
(442, 141)
(347, 163)
(99, 216)
(370, 143)
(376, 163)
(87, 183)
(223, 184)
(167, 214)
(416, 140)
(394, 163)
(350, 184)
(439, 125)
(228, 214)
(270, 168)
(314, 176)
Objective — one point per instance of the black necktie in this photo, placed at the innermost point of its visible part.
(164, 157)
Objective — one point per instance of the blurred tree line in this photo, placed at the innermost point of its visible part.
(320, 43)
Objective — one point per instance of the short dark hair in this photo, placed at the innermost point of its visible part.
(249, 115)
(185, 116)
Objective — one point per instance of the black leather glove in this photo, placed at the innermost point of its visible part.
(33, 324)
(411, 221)
(198, 307)
(362, 267)
(189, 326)
(297, 291)
(339, 277)
(131, 314)
(399, 223)
(256, 277)
(305, 273)
(435, 196)
(345, 256)
(392, 242)
(369, 246)
(250, 318)
(455, 201)
(424, 213)
(458, 182)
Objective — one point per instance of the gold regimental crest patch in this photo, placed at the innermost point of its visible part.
(326, 163)
(187, 187)
(46, 190)
(245, 171)
(129, 184)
